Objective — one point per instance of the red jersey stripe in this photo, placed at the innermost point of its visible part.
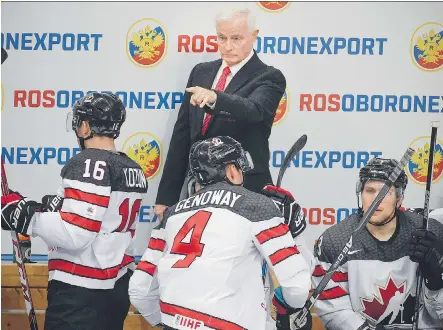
(333, 293)
(86, 197)
(157, 244)
(79, 221)
(147, 267)
(208, 320)
(271, 233)
(318, 271)
(337, 277)
(283, 254)
(84, 271)
(127, 259)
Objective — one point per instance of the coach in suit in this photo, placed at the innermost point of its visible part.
(237, 95)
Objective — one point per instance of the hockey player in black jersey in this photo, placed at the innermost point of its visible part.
(375, 287)
(91, 226)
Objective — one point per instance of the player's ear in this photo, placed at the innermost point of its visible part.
(84, 130)
(87, 128)
(229, 173)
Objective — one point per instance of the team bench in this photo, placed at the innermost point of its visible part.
(13, 307)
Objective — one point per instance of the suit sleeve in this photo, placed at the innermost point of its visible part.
(259, 105)
(333, 305)
(275, 243)
(143, 285)
(79, 220)
(174, 171)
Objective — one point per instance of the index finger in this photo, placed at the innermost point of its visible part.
(191, 89)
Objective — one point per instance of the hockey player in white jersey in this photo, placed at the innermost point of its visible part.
(375, 287)
(91, 229)
(202, 268)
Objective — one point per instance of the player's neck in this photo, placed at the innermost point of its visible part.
(101, 142)
(383, 233)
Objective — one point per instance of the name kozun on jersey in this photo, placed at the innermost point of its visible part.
(134, 178)
(213, 197)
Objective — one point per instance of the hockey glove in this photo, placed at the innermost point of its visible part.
(51, 203)
(283, 311)
(17, 217)
(419, 211)
(292, 212)
(427, 250)
(9, 203)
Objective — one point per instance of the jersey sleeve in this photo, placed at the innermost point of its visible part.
(433, 300)
(434, 303)
(143, 285)
(334, 304)
(275, 243)
(86, 189)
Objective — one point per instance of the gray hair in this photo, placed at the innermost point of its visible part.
(229, 14)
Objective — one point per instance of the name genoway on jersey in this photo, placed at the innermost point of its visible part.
(216, 197)
(134, 178)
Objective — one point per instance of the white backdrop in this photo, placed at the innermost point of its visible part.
(363, 79)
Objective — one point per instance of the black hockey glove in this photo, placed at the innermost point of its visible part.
(283, 311)
(426, 249)
(18, 214)
(292, 212)
(419, 211)
(51, 203)
(9, 203)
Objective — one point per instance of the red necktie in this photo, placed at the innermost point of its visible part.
(219, 87)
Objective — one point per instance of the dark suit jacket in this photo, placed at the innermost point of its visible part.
(245, 111)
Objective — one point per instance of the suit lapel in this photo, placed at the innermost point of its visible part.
(249, 70)
(206, 82)
(244, 75)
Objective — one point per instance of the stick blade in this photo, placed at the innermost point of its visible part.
(4, 55)
(297, 146)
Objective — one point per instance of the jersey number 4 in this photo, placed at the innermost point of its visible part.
(197, 224)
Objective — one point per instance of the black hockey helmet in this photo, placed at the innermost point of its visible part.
(380, 169)
(208, 159)
(104, 112)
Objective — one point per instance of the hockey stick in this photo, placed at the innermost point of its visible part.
(16, 245)
(301, 315)
(21, 267)
(296, 147)
(418, 289)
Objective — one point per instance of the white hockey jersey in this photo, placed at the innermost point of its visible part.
(378, 281)
(202, 268)
(90, 239)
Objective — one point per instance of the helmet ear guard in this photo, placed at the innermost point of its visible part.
(245, 162)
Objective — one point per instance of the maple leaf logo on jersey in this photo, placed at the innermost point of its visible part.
(388, 299)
